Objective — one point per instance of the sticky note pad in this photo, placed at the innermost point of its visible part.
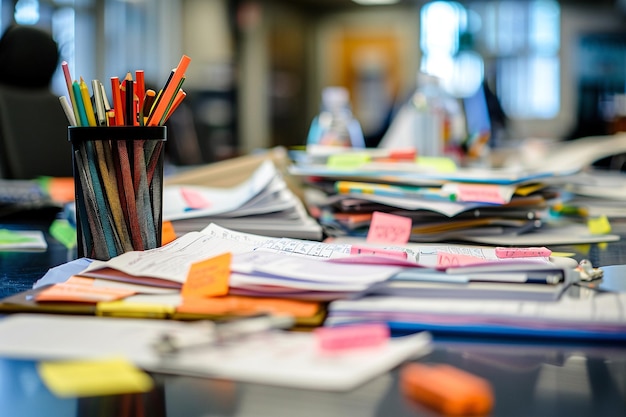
(389, 228)
(87, 378)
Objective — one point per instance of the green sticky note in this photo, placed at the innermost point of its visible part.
(8, 237)
(64, 232)
(439, 164)
(348, 160)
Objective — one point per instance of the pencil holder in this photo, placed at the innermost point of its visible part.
(118, 177)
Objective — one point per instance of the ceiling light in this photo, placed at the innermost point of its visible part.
(375, 2)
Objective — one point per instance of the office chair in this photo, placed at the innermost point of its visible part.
(33, 127)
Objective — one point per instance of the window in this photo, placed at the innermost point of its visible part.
(518, 43)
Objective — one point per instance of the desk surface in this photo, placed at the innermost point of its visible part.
(529, 378)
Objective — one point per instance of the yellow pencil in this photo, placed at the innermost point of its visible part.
(84, 92)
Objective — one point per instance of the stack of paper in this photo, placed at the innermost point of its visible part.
(457, 205)
(263, 204)
(290, 359)
(599, 318)
(261, 266)
(445, 202)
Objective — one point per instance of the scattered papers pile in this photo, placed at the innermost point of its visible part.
(263, 204)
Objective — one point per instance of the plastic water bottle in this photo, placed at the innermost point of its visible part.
(335, 125)
(425, 122)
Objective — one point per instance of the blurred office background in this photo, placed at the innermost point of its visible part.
(557, 68)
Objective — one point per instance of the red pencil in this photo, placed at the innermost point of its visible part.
(117, 101)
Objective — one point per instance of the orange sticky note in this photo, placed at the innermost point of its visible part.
(389, 228)
(455, 259)
(61, 189)
(82, 293)
(234, 304)
(449, 390)
(208, 278)
(76, 280)
(168, 234)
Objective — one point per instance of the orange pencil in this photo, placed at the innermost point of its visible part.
(170, 91)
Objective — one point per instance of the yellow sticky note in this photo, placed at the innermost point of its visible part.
(88, 378)
(348, 160)
(439, 164)
(599, 225)
(208, 278)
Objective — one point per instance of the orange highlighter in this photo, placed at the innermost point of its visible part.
(449, 390)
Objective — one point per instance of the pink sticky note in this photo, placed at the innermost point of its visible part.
(389, 228)
(483, 193)
(446, 260)
(354, 336)
(194, 199)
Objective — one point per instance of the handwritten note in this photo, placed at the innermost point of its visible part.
(389, 228)
(209, 277)
(446, 259)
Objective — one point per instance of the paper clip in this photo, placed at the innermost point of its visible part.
(588, 272)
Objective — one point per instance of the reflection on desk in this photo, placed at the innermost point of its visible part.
(529, 378)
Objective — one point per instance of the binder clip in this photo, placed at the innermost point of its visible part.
(588, 272)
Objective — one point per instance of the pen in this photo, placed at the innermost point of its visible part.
(428, 275)
(206, 333)
(535, 277)
(502, 252)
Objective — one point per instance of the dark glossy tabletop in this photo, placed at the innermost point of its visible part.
(529, 378)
